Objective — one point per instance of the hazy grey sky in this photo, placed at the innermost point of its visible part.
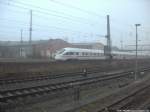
(75, 20)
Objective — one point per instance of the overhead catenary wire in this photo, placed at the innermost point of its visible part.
(77, 8)
(63, 16)
(41, 26)
(74, 7)
(46, 18)
(85, 11)
(66, 19)
(38, 27)
(25, 12)
(47, 13)
(13, 20)
(44, 28)
(60, 28)
(50, 10)
(69, 6)
(90, 12)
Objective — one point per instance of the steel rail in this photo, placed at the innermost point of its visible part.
(4, 81)
(120, 104)
(12, 95)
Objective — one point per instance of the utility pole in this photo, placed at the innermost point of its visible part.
(121, 44)
(108, 38)
(30, 29)
(21, 41)
(121, 41)
(21, 32)
(136, 58)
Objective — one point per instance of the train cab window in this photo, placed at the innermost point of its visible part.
(60, 51)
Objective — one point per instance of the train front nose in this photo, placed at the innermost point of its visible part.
(57, 57)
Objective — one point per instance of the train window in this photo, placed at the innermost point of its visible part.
(114, 54)
(77, 53)
(86, 54)
(69, 53)
(83, 53)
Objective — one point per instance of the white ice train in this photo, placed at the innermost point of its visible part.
(91, 54)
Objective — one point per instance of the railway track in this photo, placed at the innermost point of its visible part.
(131, 102)
(8, 97)
(40, 77)
(92, 67)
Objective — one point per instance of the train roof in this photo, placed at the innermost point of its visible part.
(83, 50)
(120, 52)
(95, 51)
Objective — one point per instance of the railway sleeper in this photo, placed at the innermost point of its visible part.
(34, 98)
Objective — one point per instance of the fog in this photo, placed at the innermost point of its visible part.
(76, 20)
